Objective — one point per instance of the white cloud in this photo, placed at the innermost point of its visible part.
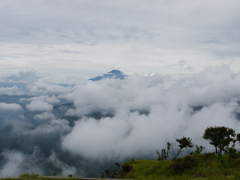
(23, 76)
(174, 108)
(11, 91)
(17, 163)
(10, 107)
(46, 88)
(54, 126)
(140, 114)
(44, 116)
(13, 165)
(38, 105)
(49, 99)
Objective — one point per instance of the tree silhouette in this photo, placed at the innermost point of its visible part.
(183, 143)
(107, 172)
(199, 150)
(220, 137)
(164, 154)
(118, 165)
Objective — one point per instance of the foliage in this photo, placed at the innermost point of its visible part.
(220, 137)
(146, 169)
(183, 143)
(199, 150)
(164, 154)
(182, 164)
(115, 173)
(196, 165)
(232, 152)
(117, 164)
(107, 172)
(206, 165)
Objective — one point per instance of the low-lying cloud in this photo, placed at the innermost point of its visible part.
(39, 106)
(17, 162)
(10, 107)
(149, 111)
(112, 120)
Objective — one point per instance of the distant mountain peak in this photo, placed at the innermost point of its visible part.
(114, 74)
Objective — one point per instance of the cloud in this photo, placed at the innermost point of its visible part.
(17, 163)
(10, 107)
(38, 105)
(11, 91)
(111, 34)
(53, 126)
(92, 123)
(22, 76)
(13, 165)
(44, 116)
(49, 99)
(150, 111)
(46, 88)
(65, 168)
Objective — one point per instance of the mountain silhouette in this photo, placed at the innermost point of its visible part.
(114, 74)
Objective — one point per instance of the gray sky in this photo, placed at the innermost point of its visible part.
(69, 40)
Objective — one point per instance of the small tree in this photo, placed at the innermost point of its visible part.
(183, 143)
(117, 164)
(220, 137)
(107, 172)
(164, 154)
(199, 150)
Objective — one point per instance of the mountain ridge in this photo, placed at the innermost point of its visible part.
(113, 74)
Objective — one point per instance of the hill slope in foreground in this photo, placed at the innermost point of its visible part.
(198, 166)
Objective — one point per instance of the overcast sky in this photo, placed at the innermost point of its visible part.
(70, 40)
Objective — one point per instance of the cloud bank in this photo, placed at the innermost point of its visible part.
(10, 107)
(68, 129)
(148, 111)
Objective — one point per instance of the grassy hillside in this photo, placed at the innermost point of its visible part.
(207, 165)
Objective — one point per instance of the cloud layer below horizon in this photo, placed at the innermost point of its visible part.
(70, 128)
(173, 108)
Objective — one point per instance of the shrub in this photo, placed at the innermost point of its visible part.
(182, 164)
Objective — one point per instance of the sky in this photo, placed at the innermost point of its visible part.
(68, 41)
(180, 58)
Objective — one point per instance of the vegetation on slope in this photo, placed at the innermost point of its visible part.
(221, 164)
(208, 165)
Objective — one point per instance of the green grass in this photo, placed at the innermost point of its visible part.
(207, 165)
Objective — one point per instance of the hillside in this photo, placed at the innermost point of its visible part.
(208, 165)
